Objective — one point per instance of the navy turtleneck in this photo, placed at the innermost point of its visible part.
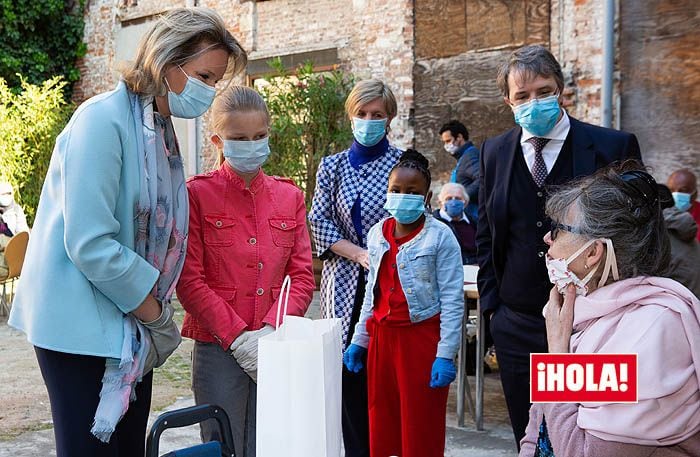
(360, 155)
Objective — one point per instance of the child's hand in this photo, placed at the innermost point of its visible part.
(443, 373)
(353, 358)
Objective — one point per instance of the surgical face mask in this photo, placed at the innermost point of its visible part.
(561, 276)
(682, 200)
(247, 156)
(194, 100)
(451, 148)
(5, 200)
(538, 116)
(368, 133)
(405, 208)
(454, 207)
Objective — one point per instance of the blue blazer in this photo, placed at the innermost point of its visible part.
(593, 147)
(81, 274)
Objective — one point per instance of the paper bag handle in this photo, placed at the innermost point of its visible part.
(284, 291)
(329, 310)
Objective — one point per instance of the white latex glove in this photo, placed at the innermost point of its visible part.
(245, 350)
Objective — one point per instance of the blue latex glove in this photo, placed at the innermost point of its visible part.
(353, 358)
(443, 372)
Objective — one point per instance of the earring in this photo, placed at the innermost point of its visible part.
(585, 266)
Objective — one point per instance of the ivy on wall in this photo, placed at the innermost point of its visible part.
(41, 39)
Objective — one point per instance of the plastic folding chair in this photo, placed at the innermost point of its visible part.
(14, 256)
(190, 416)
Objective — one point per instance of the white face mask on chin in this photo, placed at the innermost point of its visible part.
(561, 276)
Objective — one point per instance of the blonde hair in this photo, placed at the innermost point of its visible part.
(236, 99)
(368, 90)
(176, 38)
(452, 186)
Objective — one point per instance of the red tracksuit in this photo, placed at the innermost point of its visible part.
(406, 415)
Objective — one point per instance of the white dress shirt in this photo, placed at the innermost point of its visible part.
(551, 150)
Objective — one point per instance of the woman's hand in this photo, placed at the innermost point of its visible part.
(149, 310)
(362, 257)
(559, 318)
(350, 251)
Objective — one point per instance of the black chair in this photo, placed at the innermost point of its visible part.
(190, 416)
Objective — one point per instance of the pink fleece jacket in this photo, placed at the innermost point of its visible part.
(658, 319)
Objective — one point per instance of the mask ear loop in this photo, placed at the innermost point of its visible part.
(610, 263)
(575, 255)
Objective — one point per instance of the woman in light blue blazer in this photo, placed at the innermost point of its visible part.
(110, 237)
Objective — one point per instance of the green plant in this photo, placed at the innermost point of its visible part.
(40, 39)
(308, 120)
(30, 121)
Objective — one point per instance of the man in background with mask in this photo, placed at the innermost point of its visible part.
(455, 138)
(12, 221)
(547, 147)
(684, 186)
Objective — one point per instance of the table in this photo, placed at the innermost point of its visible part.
(463, 389)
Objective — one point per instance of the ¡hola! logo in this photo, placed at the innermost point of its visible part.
(579, 378)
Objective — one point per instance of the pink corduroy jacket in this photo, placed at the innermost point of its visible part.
(659, 320)
(242, 243)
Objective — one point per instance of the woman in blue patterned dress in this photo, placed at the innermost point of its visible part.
(349, 199)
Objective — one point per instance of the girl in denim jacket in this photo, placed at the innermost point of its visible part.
(409, 327)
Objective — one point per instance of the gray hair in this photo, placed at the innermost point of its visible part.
(533, 60)
(451, 186)
(602, 210)
(368, 90)
(177, 37)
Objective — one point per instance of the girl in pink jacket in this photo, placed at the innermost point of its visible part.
(247, 232)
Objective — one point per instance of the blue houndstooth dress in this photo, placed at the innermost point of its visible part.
(338, 185)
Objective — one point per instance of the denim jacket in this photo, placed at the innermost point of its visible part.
(431, 276)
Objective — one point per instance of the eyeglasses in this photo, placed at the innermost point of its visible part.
(556, 227)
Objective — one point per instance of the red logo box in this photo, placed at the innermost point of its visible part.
(579, 378)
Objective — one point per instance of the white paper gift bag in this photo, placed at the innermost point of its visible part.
(299, 387)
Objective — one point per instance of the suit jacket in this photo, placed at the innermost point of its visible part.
(593, 147)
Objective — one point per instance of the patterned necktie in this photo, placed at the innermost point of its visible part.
(539, 169)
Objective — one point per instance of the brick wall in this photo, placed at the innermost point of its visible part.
(451, 59)
(459, 46)
(577, 42)
(656, 73)
(660, 68)
(373, 39)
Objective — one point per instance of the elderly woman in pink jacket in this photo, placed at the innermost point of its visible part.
(608, 252)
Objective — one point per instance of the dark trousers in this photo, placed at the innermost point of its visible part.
(355, 411)
(74, 383)
(516, 335)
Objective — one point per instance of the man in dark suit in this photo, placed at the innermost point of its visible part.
(547, 148)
